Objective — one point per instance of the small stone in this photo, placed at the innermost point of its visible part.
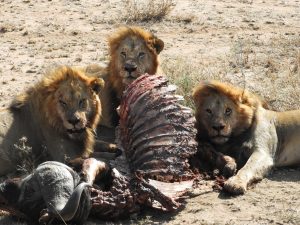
(30, 71)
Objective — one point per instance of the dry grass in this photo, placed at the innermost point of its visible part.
(274, 76)
(23, 154)
(186, 75)
(270, 69)
(149, 10)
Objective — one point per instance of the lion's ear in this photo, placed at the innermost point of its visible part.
(204, 88)
(97, 84)
(158, 44)
(196, 92)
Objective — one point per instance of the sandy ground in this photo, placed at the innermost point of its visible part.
(251, 43)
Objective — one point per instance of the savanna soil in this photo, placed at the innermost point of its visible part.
(255, 44)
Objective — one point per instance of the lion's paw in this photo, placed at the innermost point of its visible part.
(226, 164)
(235, 185)
(230, 166)
(229, 169)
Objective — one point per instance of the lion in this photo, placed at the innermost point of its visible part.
(133, 52)
(58, 115)
(243, 134)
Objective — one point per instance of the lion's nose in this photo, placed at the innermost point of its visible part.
(74, 120)
(218, 127)
(130, 67)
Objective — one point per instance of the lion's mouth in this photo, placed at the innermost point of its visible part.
(129, 79)
(75, 131)
(220, 139)
(131, 75)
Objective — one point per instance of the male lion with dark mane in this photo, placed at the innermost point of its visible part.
(58, 114)
(133, 52)
(241, 133)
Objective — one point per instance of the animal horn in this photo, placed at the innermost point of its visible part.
(68, 212)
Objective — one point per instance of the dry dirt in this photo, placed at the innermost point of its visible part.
(255, 44)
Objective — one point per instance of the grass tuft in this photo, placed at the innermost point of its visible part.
(149, 10)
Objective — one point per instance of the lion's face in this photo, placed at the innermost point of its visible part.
(134, 58)
(71, 103)
(222, 112)
(76, 104)
(134, 52)
(219, 117)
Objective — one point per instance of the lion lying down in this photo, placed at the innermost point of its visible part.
(59, 115)
(233, 122)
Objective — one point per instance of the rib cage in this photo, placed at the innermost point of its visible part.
(156, 132)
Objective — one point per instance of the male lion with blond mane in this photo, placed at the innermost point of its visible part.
(133, 52)
(58, 114)
(241, 133)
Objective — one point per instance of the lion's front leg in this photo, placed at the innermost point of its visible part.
(224, 163)
(217, 160)
(257, 167)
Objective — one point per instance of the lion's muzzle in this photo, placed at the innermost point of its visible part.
(130, 67)
(75, 124)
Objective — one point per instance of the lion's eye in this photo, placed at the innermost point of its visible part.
(123, 54)
(142, 55)
(82, 103)
(228, 111)
(209, 111)
(62, 103)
